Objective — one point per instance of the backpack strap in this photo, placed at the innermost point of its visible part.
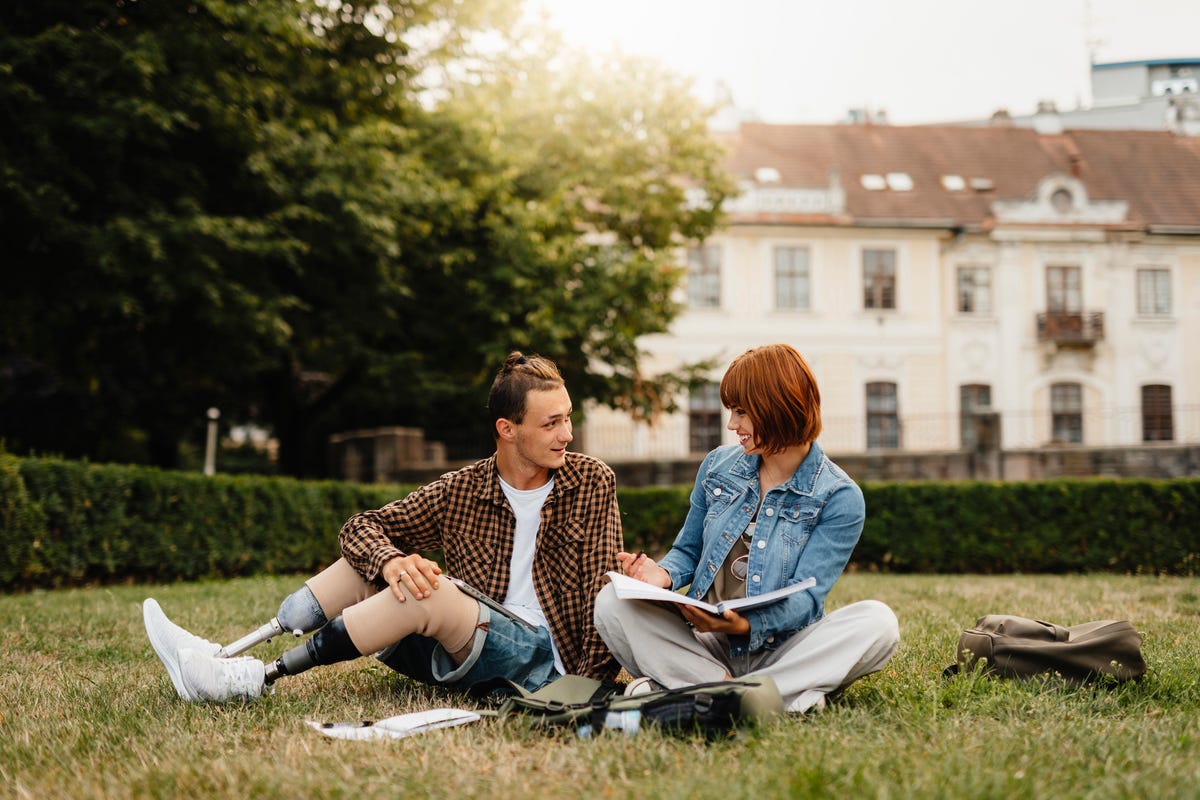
(1021, 627)
(712, 708)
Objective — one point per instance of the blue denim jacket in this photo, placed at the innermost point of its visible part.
(807, 526)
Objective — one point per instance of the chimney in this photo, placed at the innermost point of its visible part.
(1046, 120)
(1185, 120)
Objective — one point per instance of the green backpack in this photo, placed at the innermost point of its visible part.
(709, 709)
(1006, 646)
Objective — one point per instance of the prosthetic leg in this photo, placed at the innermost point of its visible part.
(322, 597)
(298, 614)
(449, 617)
(176, 646)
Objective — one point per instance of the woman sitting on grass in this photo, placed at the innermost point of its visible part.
(766, 513)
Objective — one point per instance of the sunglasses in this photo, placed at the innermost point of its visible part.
(740, 567)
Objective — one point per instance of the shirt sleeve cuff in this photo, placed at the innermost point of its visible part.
(379, 558)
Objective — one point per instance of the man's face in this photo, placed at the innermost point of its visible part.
(542, 437)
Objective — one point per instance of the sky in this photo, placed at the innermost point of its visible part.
(811, 61)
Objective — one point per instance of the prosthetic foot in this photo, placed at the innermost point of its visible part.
(168, 639)
(219, 680)
(209, 678)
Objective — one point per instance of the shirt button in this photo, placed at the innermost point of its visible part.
(756, 579)
(762, 543)
(770, 638)
(770, 512)
(716, 492)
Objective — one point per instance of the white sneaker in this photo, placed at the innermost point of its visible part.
(168, 639)
(641, 685)
(219, 680)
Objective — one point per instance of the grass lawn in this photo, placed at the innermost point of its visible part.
(86, 710)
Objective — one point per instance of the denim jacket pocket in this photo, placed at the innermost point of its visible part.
(796, 522)
(719, 494)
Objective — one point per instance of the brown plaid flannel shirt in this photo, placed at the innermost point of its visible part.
(466, 515)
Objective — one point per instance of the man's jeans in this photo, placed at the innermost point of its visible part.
(502, 649)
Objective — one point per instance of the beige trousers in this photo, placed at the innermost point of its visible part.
(375, 619)
(841, 647)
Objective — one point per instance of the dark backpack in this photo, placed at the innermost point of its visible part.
(709, 709)
(1018, 647)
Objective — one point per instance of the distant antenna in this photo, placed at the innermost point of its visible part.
(1092, 42)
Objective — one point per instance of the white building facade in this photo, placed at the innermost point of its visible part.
(952, 288)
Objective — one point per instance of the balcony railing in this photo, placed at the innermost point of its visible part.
(1071, 327)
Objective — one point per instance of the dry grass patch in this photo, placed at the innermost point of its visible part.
(87, 711)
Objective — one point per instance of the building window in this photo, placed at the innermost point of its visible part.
(704, 276)
(1066, 413)
(1064, 292)
(1154, 292)
(975, 290)
(704, 418)
(883, 417)
(1157, 422)
(879, 278)
(791, 277)
(1062, 200)
(973, 399)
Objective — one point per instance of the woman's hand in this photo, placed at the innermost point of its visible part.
(643, 567)
(732, 623)
(415, 573)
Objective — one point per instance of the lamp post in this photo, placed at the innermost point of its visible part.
(210, 449)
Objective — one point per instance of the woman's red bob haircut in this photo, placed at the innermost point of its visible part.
(775, 387)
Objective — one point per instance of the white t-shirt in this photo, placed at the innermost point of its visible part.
(522, 599)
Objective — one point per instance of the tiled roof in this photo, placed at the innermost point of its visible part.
(1156, 172)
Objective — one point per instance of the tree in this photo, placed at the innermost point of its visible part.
(584, 177)
(290, 210)
(195, 205)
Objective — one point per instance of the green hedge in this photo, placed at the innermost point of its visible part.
(66, 523)
(1079, 525)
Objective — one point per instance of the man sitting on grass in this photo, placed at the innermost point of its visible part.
(533, 525)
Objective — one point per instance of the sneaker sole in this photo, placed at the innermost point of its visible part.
(152, 616)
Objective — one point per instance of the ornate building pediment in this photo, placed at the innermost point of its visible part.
(1060, 200)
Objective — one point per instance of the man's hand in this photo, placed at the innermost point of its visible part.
(415, 573)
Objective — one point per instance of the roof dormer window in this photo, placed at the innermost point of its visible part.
(953, 183)
(767, 175)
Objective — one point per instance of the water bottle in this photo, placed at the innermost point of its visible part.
(625, 721)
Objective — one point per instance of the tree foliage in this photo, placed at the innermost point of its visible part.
(323, 216)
